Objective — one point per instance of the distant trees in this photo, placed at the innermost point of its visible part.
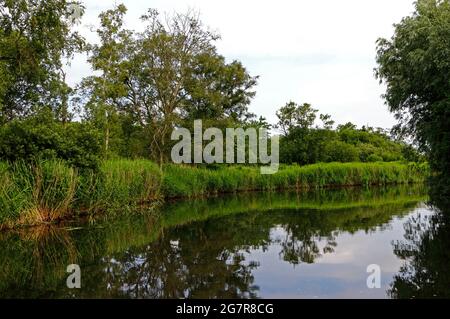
(415, 65)
(304, 143)
(293, 116)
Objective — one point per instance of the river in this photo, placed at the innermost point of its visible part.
(347, 243)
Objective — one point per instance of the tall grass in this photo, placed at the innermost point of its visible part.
(119, 183)
(182, 181)
(51, 191)
(36, 194)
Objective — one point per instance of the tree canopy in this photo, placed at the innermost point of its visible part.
(415, 66)
(35, 39)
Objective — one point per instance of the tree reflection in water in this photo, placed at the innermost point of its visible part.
(198, 249)
(426, 252)
(209, 259)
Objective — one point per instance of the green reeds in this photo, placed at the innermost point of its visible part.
(184, 181)
(34, 194)
(50, 191)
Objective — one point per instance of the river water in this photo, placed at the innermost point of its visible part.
(348, 243)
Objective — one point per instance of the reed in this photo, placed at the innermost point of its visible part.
(51, 190)
(183, 181)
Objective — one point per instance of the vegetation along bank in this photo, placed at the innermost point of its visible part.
(52, 191)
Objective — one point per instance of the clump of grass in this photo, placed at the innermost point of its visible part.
(33, 194)
(119, 183)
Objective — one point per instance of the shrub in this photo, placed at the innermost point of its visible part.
(42, 138)
(374, 158)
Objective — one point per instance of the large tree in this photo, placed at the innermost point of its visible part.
(35, 39)
(107, 94)
(165, 76)
(415, 65)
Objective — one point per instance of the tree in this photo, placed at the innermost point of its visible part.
(415, 65)
(107, 94)
(35, 38)
(327, 121)
(293, 115)
(164, 77)
(217, 90)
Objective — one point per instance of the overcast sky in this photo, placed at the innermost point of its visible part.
(316, 51)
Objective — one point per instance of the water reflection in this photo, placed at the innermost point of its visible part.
(425, 251)
(248, 246)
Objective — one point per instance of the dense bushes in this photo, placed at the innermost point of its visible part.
(346, 144)
(42, 138)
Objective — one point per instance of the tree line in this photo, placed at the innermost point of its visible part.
(145, 84)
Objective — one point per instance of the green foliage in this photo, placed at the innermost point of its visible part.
(182, 181)
(119, 183)
(415, 65)
(35, 38)
(293, 116)
(52, 190)
(42, 138)
(35, 194)
(338, 151)
(308, 145)
(163, 77)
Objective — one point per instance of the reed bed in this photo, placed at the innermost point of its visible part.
(51, 191)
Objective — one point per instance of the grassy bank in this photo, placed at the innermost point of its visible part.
(52, 191)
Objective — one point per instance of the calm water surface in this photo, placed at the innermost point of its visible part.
(287, 245)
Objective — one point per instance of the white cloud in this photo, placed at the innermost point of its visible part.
(320, 52)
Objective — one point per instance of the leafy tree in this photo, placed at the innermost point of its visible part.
(327, 121)
(348, 125)
(293, 115)
(217, 90)
(35, 38)
(107, 94)
(161, 78)
(415, 65)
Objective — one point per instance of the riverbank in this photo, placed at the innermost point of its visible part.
(53, 191)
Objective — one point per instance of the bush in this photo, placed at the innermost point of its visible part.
(338, 151)
(42, 138)
(374, 158)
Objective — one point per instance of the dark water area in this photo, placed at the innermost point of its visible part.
(279, 245)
